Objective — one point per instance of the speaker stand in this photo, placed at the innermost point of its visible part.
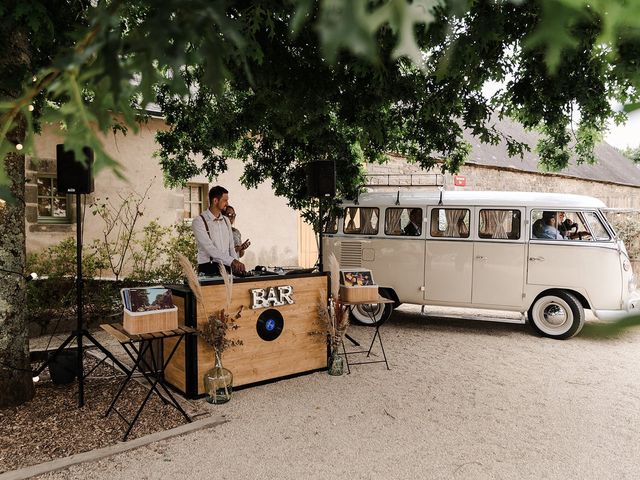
(80, 332)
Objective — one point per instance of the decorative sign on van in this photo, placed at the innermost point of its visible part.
(271, 297)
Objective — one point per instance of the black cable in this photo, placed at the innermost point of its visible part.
(28, 278)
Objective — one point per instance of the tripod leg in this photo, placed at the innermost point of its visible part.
(53, 355)
(110, 355)
(352, 340)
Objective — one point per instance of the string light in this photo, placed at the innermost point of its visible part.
(19, 146)
(31, 108)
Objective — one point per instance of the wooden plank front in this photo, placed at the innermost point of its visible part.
(300, 347)
(175, 372)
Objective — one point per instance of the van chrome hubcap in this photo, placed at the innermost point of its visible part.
(554, 315)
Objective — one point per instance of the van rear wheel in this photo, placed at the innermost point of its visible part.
(557, 315)
(370, 314)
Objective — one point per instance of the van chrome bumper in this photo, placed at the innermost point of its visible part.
(632, 307)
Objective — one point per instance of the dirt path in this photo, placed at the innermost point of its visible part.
(463, 400)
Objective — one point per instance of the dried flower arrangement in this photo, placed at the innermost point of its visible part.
(214, 330)
(334, 314)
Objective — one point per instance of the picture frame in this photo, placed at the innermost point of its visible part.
(146, 299)
(356, 277)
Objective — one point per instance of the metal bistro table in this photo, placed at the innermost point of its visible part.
(371, 313)
(140, 348)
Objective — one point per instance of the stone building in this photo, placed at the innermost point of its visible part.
(50, 217)
(614, 179)
(288, 240)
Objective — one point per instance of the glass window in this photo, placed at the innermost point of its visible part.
(403, 221)
(361, 220)
(499, 224)
(194, 200)
(558, 225)
(450, 222)
(52, 206)
(597, 228)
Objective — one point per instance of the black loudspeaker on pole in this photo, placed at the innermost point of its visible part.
(76, 178)
(321, 183)
(321, 178)
(74, 175)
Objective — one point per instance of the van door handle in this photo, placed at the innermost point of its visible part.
(480, 257)
(539, 259)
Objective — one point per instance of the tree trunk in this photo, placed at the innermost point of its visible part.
(16, 384)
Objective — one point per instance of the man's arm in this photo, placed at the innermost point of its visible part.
(205, 242)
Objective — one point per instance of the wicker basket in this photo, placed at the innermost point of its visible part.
(148, 322)
(359, 294)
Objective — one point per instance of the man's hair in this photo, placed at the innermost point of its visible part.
(216, 192)
(546, 216)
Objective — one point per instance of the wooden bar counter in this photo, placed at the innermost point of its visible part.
(299, 345)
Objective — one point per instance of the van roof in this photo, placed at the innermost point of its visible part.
(470, 198)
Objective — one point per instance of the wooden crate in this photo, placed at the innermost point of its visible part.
(359, 294)
(147, 322)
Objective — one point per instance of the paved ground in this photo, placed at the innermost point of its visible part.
(477, 400)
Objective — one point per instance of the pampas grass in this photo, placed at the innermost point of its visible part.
(214, 330)
(336, 316)
(334, 271)
(228, 283)
(192, 280)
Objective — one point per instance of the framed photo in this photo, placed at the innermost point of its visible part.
(146, 299)
(354, 277)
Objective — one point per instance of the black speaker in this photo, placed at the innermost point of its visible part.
(321, 178)
(74, 176)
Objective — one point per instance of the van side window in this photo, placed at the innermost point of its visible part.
(599, 231)
(562, 225)
(361, 220)
(403, 221)
(450, 222)
(501, 224)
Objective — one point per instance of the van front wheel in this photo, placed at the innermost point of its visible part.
(370, 314)
(557, 315)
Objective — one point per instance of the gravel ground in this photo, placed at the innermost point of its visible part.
(52, 426)
(463, 399)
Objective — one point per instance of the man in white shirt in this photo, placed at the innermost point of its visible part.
(214, 236)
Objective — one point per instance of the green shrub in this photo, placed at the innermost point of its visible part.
(51, 301)
(627, 226)
(60, 260)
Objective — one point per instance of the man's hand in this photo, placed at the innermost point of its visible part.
(238, 267)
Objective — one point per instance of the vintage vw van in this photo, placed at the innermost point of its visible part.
(546, 255)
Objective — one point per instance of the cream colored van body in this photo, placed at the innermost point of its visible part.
(510, 270)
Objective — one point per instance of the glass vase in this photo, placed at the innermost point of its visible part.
(336, 365)
(218, 384)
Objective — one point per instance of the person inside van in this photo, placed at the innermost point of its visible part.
(549, 229)
(566, 225)
(415, 219)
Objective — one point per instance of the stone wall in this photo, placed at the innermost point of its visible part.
(483, 178)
